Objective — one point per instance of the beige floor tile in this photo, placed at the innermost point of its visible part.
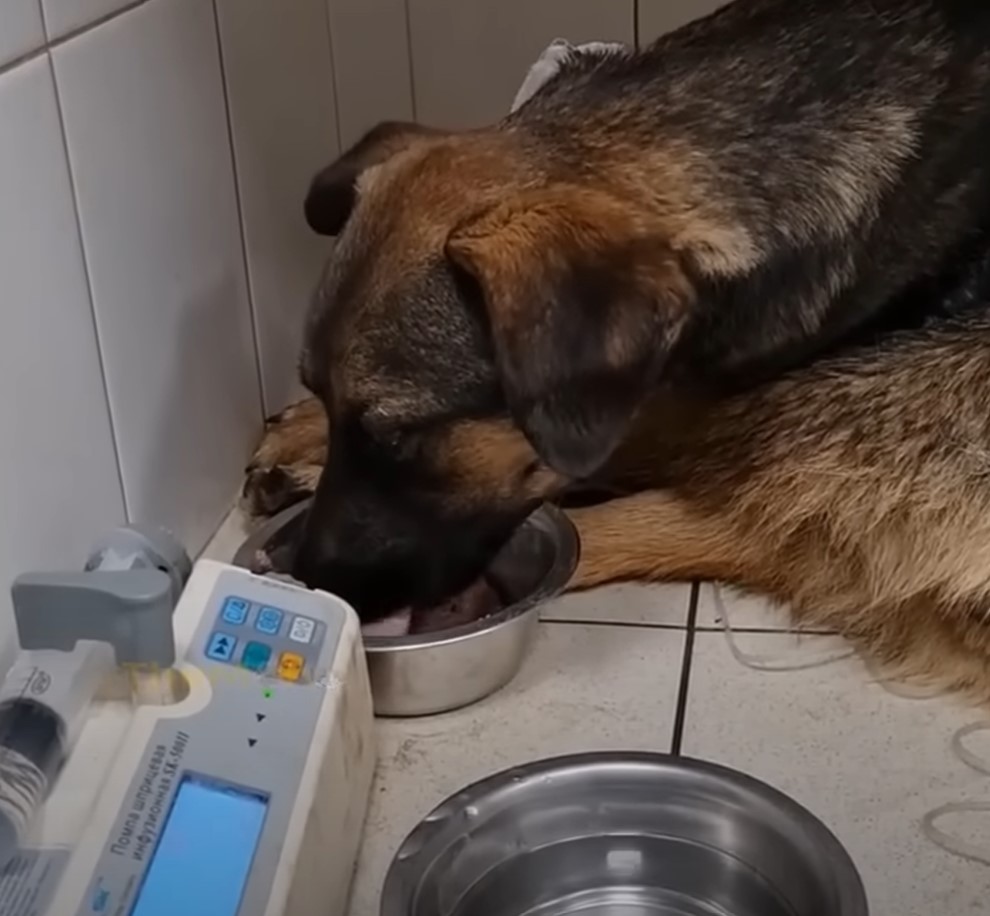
(868, 763)
(746, 612)
(649, 605)
(228, 537)
(582, 689)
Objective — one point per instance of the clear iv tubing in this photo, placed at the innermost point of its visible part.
(769, 662)
(945, 841)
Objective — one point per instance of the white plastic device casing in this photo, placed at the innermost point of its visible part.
(321, 843)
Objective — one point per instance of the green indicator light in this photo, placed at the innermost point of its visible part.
(267, 693)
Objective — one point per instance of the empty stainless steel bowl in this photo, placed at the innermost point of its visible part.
(621, 834)
(428, 673)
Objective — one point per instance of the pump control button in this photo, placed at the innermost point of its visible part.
(269, 620)
(302, 629)
(256, 656)
(290, 666)
(221, 647)
(235, 611)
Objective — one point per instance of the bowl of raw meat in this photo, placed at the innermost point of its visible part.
(428, 661)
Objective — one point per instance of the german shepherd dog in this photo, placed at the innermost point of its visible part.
(738, 281)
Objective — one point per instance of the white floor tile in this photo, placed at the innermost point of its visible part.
(648, 605)
(146, 125)
(21, 29)
(868, 763)
(582, 689)
(227, 539)
(746, 612)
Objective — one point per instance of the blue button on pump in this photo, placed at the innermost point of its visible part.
(256, 656)
(269, 620)
(221, 647)
(235, 611)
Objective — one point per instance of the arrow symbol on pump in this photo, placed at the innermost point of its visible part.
(260, 716)
(252, 742)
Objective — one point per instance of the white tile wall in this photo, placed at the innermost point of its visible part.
(58, 475)
(470, 56)
(65, 16)
(21, 29)
(659, 16)
(146, 127)
(281, 95)
(371, 62)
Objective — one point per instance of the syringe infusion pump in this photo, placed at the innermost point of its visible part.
(200, 747)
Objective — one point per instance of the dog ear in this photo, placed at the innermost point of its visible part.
(585, 299)
(333, 192)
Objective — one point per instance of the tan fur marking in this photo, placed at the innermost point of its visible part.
(859, 497)
(298, 435)
(678, 183)
(522, 246)
(653, 536)
(489, 460)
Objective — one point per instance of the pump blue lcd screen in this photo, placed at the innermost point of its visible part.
(201, 864)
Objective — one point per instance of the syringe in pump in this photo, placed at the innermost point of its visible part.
(73, 629)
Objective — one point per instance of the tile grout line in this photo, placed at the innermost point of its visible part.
(88, 276)
(44, 25)
(51, 44)
(764, 631)
(335, 78)
(23, 59)
(699, 628)
(677, 737)
(412, 68)
(621, 624)
(241, 225)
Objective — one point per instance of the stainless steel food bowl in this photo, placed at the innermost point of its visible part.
(427, 673)
(621, 834)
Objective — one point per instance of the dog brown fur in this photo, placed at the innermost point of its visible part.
(738, 278)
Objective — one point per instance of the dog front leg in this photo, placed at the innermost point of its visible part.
(288, 462)
(657, 536)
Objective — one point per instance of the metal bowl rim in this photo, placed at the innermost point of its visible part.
(403, 868)
(568, 549)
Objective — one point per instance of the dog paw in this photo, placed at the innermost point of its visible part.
(287, 463)
(268, 491)
(296, 435)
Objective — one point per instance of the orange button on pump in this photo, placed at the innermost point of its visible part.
(290, 666)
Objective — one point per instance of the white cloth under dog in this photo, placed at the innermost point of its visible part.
(549, 62)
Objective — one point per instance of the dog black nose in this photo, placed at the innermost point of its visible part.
(354, 567)
(374, 589)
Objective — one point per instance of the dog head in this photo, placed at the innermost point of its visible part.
(486, 327)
